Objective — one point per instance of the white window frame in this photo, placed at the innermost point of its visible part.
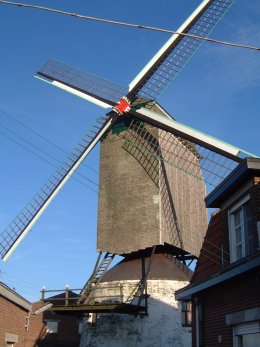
(244, 329)
(232, 242)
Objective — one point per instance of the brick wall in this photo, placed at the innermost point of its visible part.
(19, 324)
(67, 335)
(12, 320)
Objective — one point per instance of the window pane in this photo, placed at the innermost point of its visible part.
(247, 211)
(238, 235)
(189, 318)
(184, 306)
(251, 340)
(248, 230)
(239, 253)
(237, 218)
(183, 318)
(51, 327)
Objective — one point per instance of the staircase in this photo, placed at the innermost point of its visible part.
(138, 292)
(100, 270)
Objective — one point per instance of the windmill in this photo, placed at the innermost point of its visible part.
(147, 147)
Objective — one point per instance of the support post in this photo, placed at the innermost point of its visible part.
(121, 293)
(67, 296)
(43, 292)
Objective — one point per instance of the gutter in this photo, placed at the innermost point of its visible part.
(231, 271)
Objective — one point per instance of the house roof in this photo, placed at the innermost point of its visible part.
(211, 254)
(14, 297)
(60, 299)
(248, 168)
(227, 273)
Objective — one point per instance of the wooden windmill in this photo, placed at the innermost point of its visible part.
(153, 170)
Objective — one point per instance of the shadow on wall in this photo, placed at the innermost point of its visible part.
(53, 330)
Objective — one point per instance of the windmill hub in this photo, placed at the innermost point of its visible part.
(123, 106)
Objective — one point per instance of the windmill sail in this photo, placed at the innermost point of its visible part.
(191, 157)
(21, 225)
(214, 158)
(169, 61)
(97, 90)
(191, 134)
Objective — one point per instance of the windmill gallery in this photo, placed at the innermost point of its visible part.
(153, 178)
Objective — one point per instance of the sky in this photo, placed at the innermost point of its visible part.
(217, 93)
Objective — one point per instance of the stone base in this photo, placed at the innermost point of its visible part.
(161, 328)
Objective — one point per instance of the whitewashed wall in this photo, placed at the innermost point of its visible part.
(161, 328)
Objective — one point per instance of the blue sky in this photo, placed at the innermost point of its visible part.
(218, 93)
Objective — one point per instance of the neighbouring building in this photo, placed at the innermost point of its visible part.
(225, 287)
(23, 324)
(14, 317)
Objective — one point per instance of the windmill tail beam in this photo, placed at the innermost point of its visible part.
(22, 224)
(191, 134)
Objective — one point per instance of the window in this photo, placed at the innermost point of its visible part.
(51, 326)
(247, 334)
(186, 313)
(241, 235)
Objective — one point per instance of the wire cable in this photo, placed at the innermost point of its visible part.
(43, 159)
(137, 26)
(44, 152)
(41, 136)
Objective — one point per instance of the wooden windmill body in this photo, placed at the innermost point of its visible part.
(143, 201)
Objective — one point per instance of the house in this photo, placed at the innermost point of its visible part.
(225, 287)
(14, 315)
(23, 324)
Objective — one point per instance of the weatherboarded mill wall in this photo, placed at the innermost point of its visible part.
(144, 201)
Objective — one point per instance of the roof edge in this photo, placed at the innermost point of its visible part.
(14, 297)
(246, 169)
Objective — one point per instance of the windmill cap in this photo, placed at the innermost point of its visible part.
(162, 268)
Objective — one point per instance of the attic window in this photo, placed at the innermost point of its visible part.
(51, 326)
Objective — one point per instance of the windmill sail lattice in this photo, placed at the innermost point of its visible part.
(177, 51)
(175, 151)
(18, 228)
(63, 75)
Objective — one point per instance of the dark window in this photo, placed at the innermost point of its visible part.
(186, 313)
